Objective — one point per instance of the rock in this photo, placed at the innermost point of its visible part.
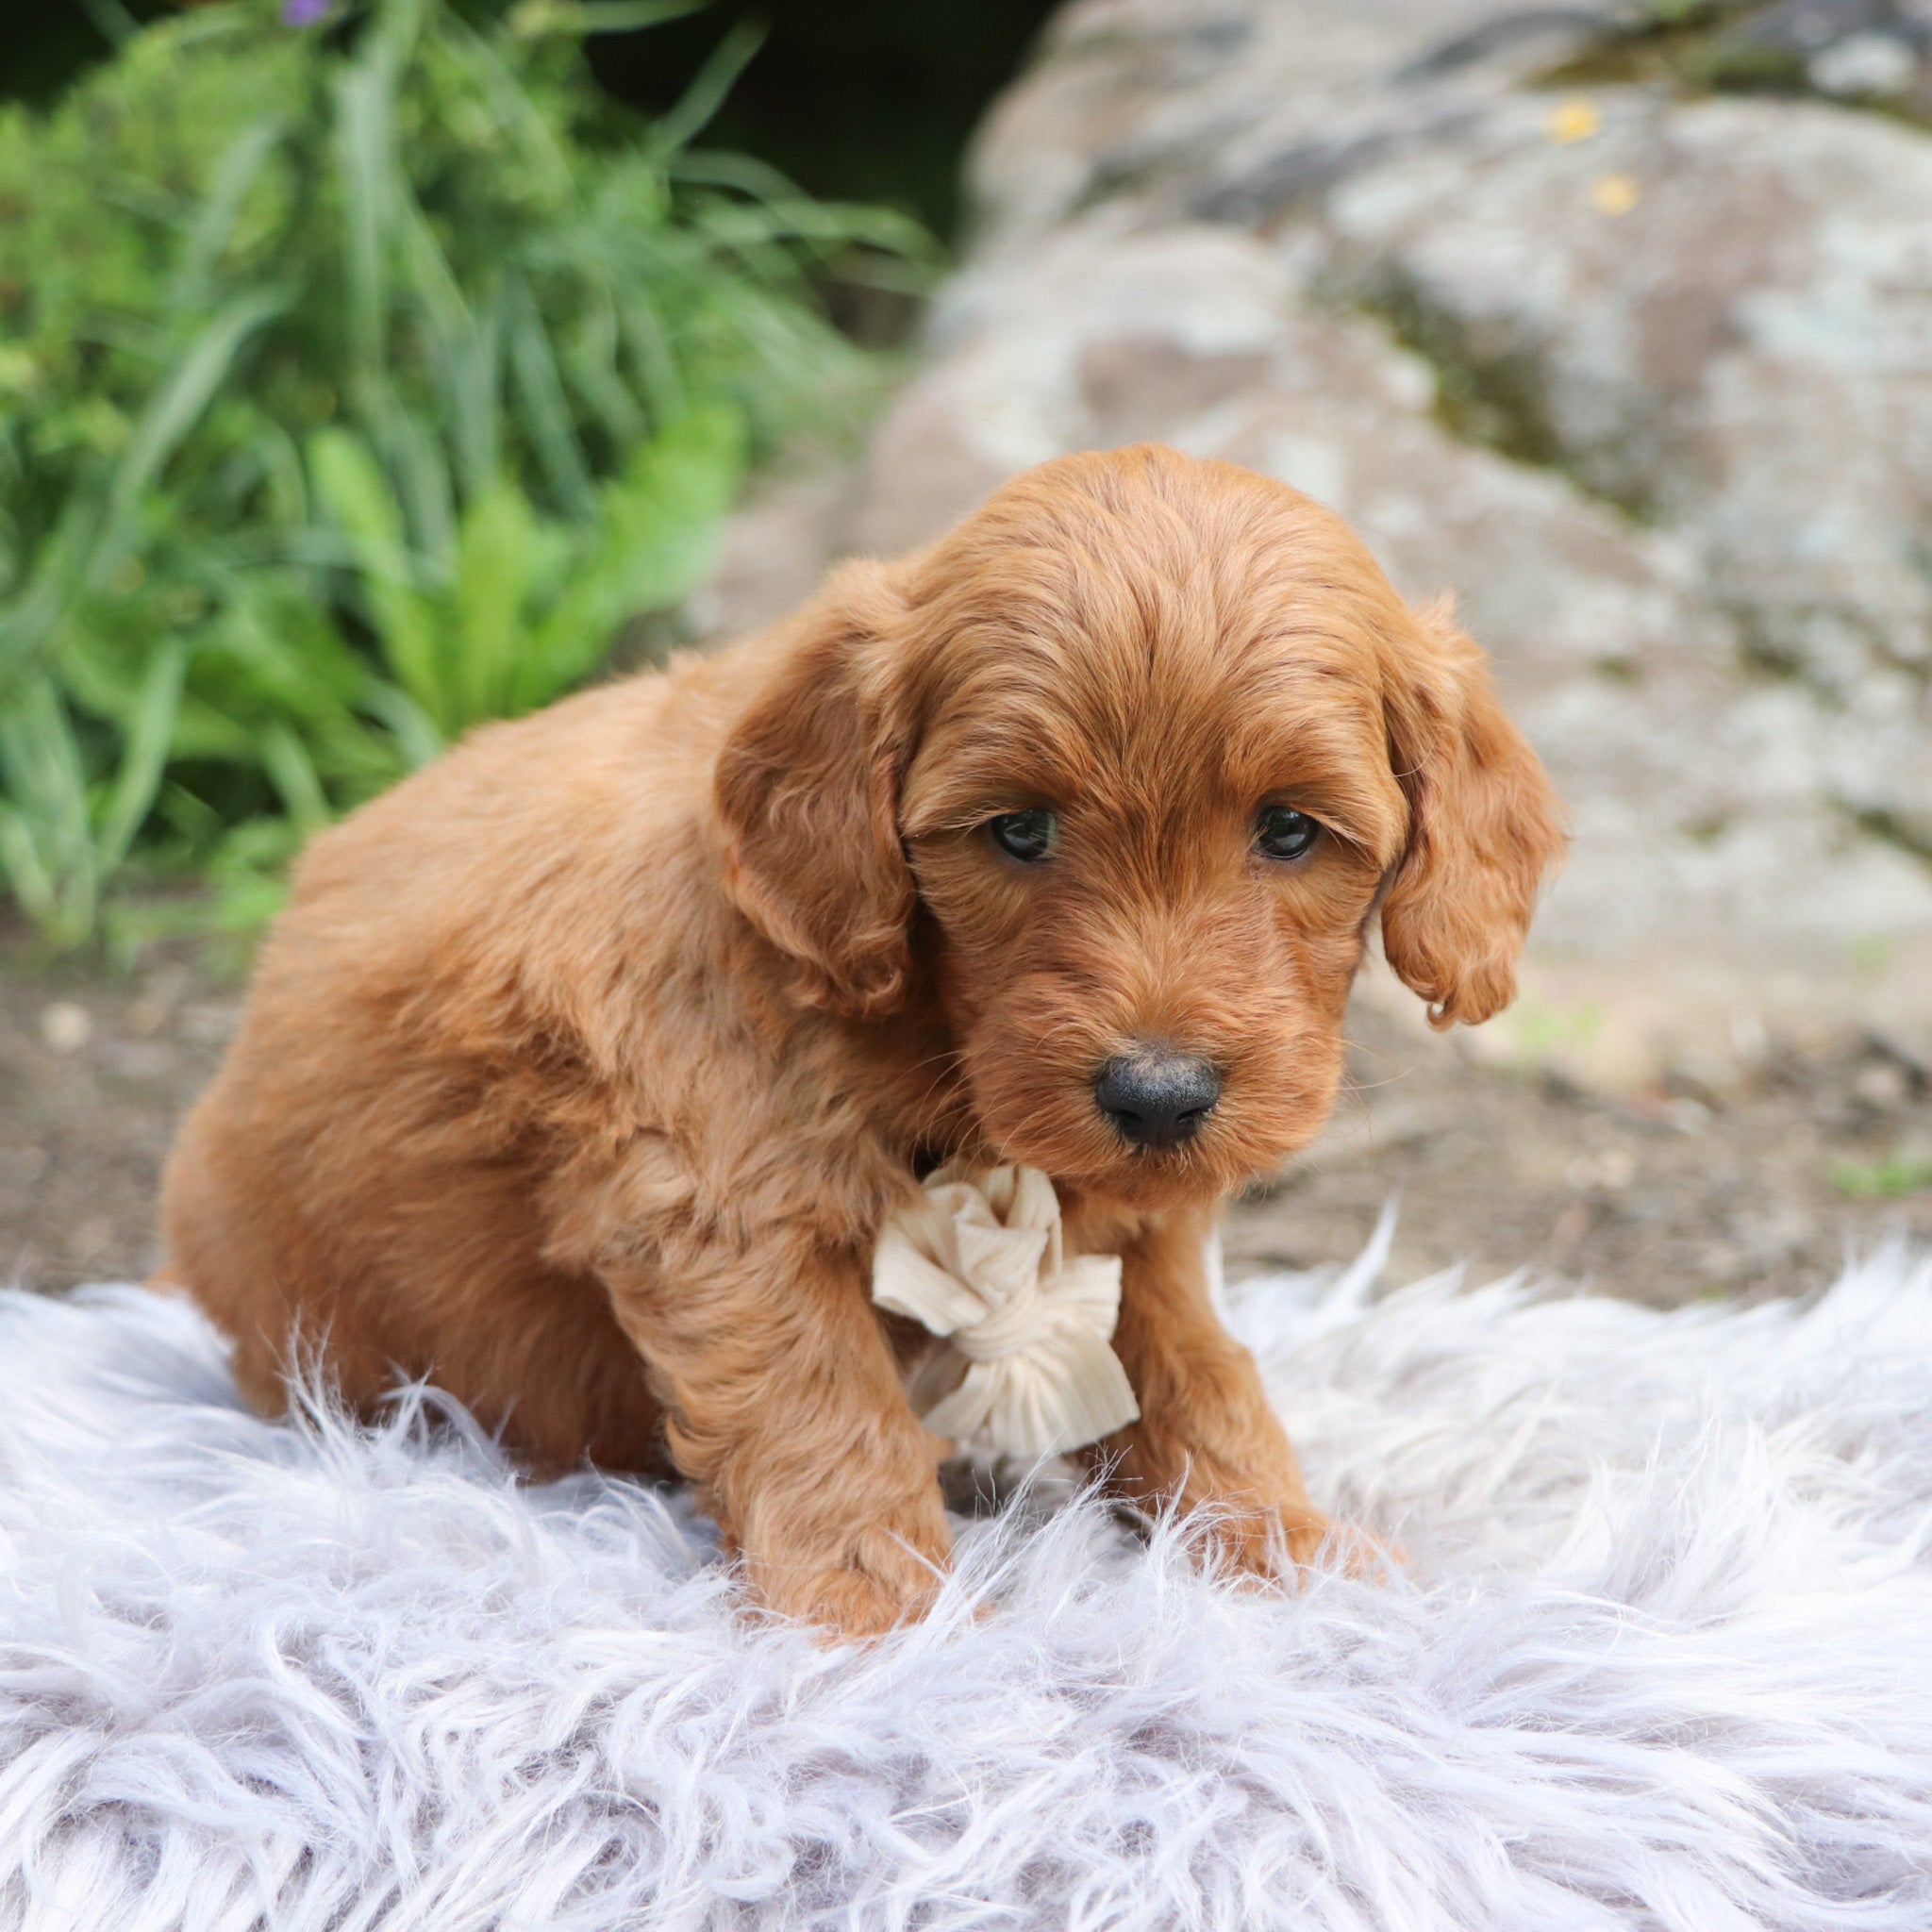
(1696, 790)
(1865, 63)
(1743, 355)
(1841, 47)
(1645, 379)
(66, 1027)
(1236, 109)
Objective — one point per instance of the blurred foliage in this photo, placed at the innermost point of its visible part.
(869, 100)
(362, 373)
(872, 99)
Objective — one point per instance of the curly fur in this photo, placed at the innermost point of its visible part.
(585, 1066)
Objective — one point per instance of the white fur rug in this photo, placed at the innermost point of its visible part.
(1663, 1659)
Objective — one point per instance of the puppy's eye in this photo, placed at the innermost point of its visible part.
(1027, 836)
(1281, 832)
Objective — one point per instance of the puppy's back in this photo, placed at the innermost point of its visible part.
(366, 1163)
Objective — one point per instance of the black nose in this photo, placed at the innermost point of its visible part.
(1157, 1099)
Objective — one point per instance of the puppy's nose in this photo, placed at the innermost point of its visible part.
(1157, 1099)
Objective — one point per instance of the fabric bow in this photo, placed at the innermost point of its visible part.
(980, 1261)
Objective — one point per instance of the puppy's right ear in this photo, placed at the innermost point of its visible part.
(806, 792)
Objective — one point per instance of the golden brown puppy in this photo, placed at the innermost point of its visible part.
(584, 1066)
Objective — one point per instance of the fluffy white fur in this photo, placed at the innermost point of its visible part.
(1663, 1659)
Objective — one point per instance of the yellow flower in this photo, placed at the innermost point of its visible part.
(1615, 194)
(1575, 119)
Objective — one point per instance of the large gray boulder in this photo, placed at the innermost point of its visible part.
(1736, 347)
(1646, 379)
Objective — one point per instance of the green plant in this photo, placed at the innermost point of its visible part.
(358, 382)
(1881, 1181)
(60, 837)
(520, 607)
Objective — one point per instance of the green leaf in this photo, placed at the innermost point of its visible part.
(545, 407)
(215, 224)
(470, 371)
(187, 392)
(46, 837)
(352, 487)
(579, 18)
(286, 759)
(366, 160)
(412, 455)
(665, 516)
(112, 21)
(660, 534)
(145, 756)
(27, 874)
(414, 731)
(32, 617)
(496, 560)
(714, 80)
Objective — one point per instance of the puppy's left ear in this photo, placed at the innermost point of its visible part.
(1484, 826)
(807, 795)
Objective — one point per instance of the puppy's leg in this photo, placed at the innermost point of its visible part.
(1207, 1435)
(783, 1400)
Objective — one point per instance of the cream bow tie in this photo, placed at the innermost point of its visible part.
(980, 1262)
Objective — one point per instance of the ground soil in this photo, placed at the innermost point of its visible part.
(1757, 1186)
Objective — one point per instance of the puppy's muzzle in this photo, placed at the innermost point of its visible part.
(1157, 1099)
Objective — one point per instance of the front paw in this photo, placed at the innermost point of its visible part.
(884, 1576)
(1235, 1540)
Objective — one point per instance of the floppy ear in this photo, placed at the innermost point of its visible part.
(1484, 827)
(807, 795)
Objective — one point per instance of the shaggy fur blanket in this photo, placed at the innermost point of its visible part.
(1663, 1658)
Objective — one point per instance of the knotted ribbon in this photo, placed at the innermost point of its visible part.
(981, 1262)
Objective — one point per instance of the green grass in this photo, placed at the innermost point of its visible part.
(1881, 1181)
(358, 383)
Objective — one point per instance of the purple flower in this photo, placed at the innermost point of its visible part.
(305, 12)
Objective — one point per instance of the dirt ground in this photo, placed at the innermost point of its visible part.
(1666, 1195)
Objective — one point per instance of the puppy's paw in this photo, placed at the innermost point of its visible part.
(886, 1577)
(1322, 1542)
(847, 1604)
(1278, 1546)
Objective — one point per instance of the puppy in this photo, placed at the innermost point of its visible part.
(584, 1066)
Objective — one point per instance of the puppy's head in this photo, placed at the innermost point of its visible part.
(1135, 755)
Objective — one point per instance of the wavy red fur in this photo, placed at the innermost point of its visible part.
(584, 1066)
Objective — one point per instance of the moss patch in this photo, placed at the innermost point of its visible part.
(1701, 47)
(1489, 390)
